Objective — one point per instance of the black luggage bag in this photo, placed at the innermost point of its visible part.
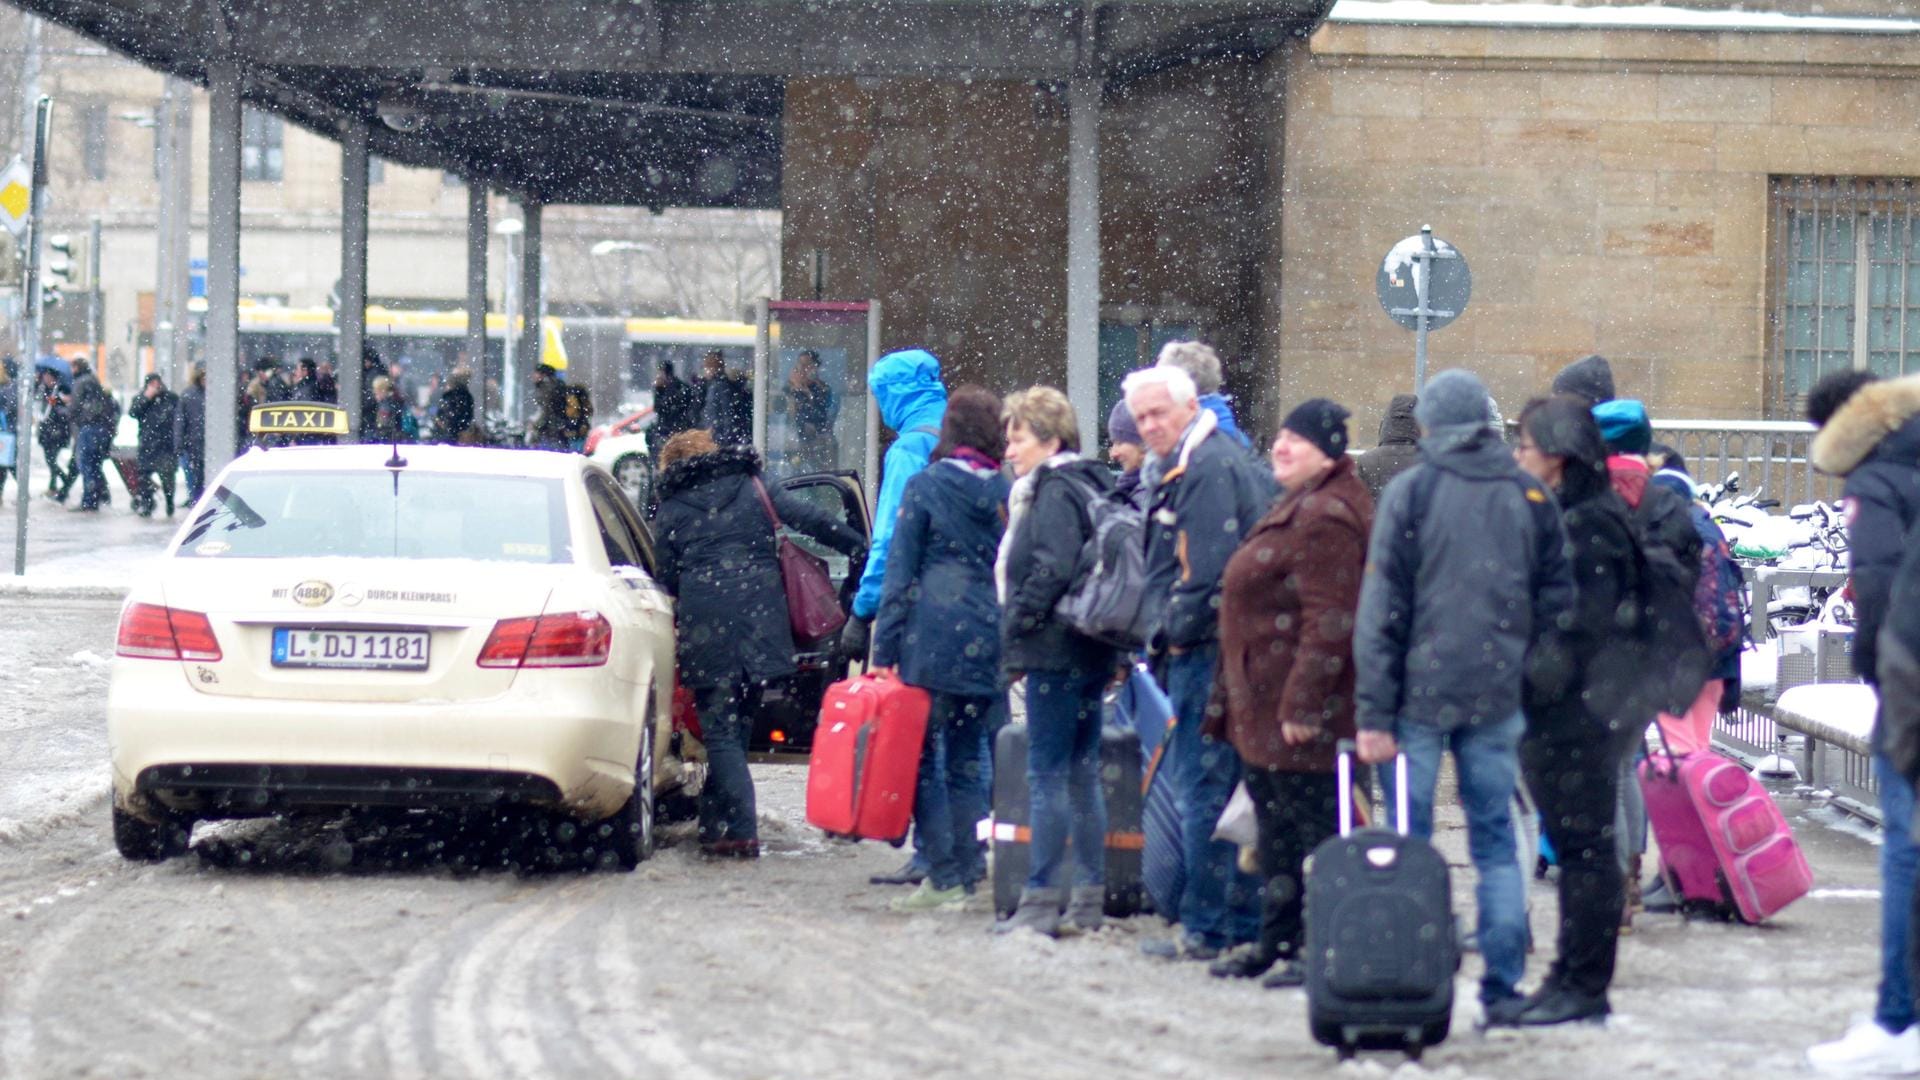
(1012, 816)
(1380, 952)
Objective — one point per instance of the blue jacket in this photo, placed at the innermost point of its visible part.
(906, 385)
(939, 621)
(1199, 510)
(1223, 412)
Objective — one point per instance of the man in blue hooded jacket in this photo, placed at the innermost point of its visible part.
(912, 400)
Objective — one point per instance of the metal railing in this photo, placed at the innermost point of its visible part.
(1766, 453)
(1829, 759)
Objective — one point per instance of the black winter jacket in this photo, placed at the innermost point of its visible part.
(939, 621)
(1398, 449)
(155, 416)
(716, 555)
(1457, 586)
(1584, 667)
(1874, 441)
(1198, 514)
(1043, 554)
(1899, 653)
(190, 422)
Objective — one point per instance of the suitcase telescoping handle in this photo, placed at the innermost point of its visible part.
(1345, 752)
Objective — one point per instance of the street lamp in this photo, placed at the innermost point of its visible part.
(510, 229)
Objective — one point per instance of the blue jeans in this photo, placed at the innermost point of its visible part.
(1063, 777)
(949, 800)
(1898, 860)
(90, 447)
(1486, 757)
(1220, 904)
(726, 800)
(995, 720)
(195, 468)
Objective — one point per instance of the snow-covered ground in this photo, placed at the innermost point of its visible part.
(78, 554)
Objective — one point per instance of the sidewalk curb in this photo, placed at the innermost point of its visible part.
(28, 588)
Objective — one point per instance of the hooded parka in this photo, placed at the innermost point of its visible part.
(716, 555)
(1398, 449)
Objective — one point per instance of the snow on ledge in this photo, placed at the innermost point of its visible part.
(1847, 707)
(1639, 17)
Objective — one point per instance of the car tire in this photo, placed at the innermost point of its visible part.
(633, 826)
(142, 841)
(634, 474)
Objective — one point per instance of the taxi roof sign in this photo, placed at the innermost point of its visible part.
(297, 418)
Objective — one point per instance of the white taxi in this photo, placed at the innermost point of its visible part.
(420, 626)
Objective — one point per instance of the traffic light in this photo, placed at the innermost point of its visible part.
(60, 264)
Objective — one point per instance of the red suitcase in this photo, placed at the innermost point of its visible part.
(1722, 840)
(866, 758)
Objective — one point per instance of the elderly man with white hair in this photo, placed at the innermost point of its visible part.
(1202, 364)
(1205, 493)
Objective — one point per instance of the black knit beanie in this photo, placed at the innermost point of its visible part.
(1322, 423)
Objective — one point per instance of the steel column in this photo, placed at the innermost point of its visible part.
(1083, 257)
(351, 316)
(477, 297)
(532, 301)
(172, 348)
(223, 262)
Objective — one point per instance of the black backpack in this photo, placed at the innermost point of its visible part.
(1675, 644)
(1108, 598)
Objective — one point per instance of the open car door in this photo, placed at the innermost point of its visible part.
(789, 708)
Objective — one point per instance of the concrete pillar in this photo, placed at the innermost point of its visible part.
(532, 301)
(1083, 257)
(352, 313)
(223, 261)
(477, 296)
(174, 146)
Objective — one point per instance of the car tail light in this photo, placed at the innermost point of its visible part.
(568, 639)
(153, 632)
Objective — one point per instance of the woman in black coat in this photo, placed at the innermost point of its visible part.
(1585, 709)
(1048, 522)
(154, 410)
(716, 556)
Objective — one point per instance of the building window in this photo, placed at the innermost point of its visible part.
(376, 170)
(260, 146)
(449, 179)
(1846, 288)
(93, 141)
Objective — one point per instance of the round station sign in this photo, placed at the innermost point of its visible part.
(1449, 283)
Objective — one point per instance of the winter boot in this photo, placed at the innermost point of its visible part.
(1086, 906)
(1633, 906)
(1039, 911)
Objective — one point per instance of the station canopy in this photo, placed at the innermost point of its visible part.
(636, 102)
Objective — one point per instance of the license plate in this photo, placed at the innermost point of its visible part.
(389, 650)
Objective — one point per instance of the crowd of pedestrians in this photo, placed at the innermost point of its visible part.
(1458, 588)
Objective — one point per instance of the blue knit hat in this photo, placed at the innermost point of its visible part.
(1120, 426)
(1624, 424)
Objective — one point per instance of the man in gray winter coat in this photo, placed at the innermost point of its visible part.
(1466, 565)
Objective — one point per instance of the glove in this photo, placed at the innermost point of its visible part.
(855, 639)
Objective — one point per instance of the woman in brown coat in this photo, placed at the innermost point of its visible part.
(1287, 606)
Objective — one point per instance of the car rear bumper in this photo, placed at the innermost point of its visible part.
(561, 745)
(250, 790)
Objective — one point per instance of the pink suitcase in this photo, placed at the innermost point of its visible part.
(1722, 839)
(866, 758)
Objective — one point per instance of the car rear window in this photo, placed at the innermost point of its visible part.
(383, 515)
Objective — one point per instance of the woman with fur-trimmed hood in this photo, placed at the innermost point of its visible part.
(717, 558)
(1870, 434)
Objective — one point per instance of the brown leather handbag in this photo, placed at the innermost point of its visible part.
(813, 604)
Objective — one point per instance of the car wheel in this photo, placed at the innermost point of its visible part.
(634, 474)
(633, 825)
(143, 841)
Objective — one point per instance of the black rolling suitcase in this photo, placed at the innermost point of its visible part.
(1012, 840)
(1380, 955)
